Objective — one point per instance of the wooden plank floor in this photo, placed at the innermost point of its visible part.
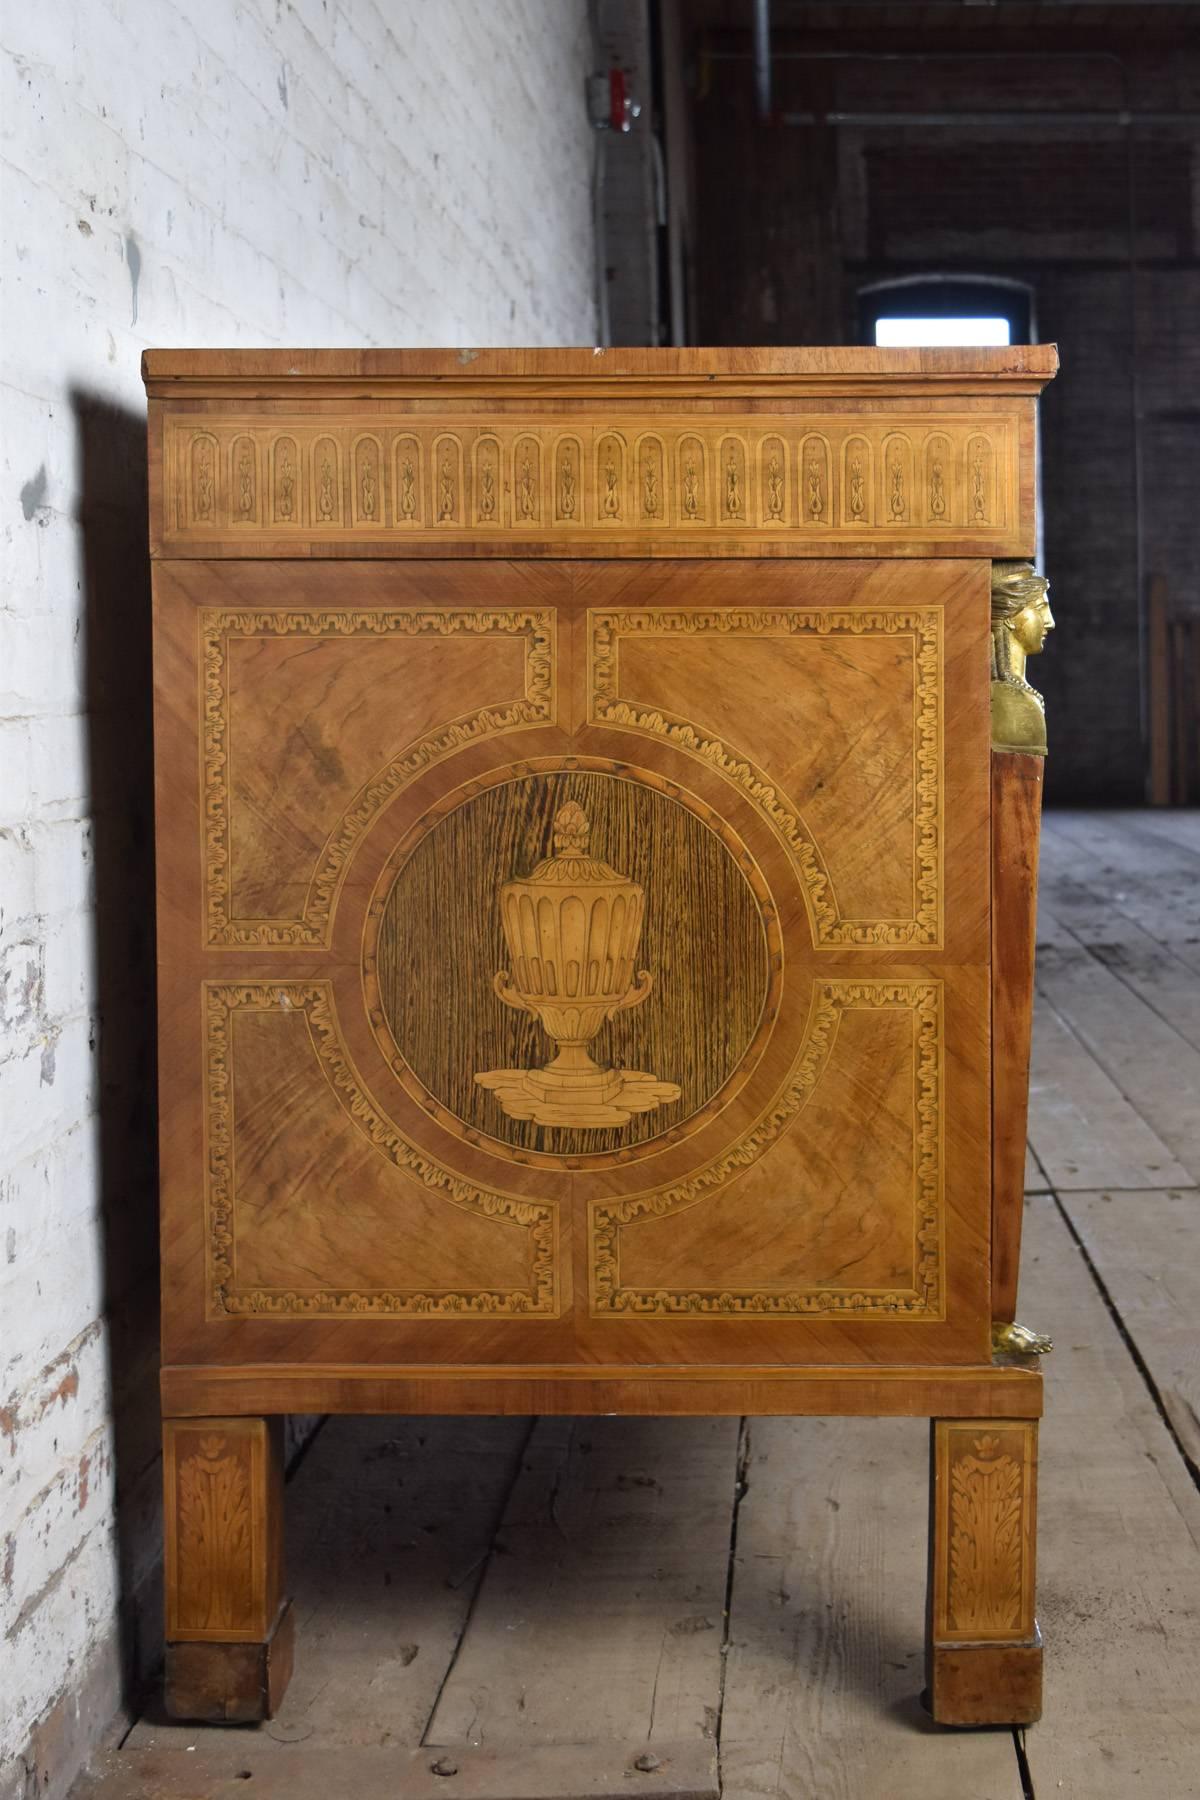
(536, 1610)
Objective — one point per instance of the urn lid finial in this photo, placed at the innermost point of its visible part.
(572, 830)
(572, 859)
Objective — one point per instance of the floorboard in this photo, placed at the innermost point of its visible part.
(389, 1527)
(1151, 971)
(1150, 1064)
(1084, 1132)
(827, 1627)
(1145, 1249)
(600, 1616)
(1118, 1552)
(1139, 874)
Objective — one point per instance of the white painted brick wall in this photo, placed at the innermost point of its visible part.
(184, 172)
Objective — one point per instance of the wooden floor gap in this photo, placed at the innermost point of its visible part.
(1176, 1187)
(740, 1483)
(1023, 1769)
(300, 1453)
(1139, 1360)
(485, 1563)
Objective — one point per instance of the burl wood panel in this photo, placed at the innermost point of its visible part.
(349, 783)
(1016, 825)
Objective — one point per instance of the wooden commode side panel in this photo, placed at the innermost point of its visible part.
(596, 840)
(577, 962)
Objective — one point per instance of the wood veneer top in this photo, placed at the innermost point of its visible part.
(811, 369)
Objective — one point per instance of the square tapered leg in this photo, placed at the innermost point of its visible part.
(984, 1661)
(229, 1625)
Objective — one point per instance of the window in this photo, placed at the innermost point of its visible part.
(945, 310)
(949, 330)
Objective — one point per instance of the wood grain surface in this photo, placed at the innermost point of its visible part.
(440, 943)
(817, 921)
(1016, 820)
(390, 1525)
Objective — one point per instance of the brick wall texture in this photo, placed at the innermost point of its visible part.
(205, 172)
(974, 161)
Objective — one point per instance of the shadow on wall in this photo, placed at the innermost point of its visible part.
(116, 610)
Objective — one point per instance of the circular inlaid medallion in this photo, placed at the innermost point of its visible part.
(571, 962)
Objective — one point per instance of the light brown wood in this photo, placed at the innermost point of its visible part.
(867, 866)
(1016, 819)
(984, 1648)
(229, 1633)
(881, 484)
(575, 918)
(390, 1524)
(828, 1563)
(696, 371)
(223, 1527)
(984, 1391)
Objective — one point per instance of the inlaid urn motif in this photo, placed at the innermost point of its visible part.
(572, 929)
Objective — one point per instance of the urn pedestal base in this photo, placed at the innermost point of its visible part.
(577, 1097)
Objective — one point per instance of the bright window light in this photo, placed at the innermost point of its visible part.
(924, 332)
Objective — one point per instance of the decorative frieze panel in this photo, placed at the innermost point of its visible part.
(815, 477)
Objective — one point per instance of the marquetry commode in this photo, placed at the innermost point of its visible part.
(597, 830)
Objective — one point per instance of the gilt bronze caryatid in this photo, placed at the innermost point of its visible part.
(1021, 619)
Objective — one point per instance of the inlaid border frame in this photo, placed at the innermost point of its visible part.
(216, 625)
(925, 1300)
(315, 1001)
(925, 626)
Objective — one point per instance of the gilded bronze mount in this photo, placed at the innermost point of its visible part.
(1021, 621)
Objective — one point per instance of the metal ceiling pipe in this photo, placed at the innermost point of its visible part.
(1019, 120)
(762, 56)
